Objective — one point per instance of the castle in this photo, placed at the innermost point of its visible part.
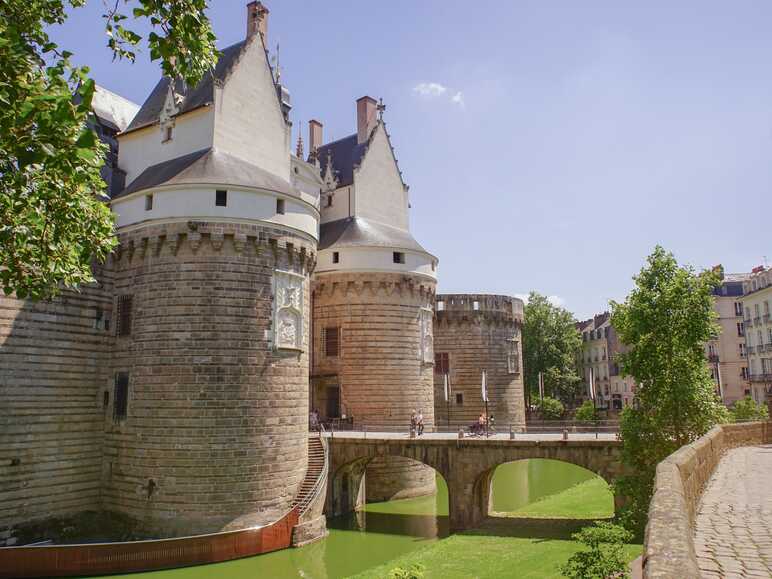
(250, 286)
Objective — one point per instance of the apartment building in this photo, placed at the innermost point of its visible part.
(756, 302)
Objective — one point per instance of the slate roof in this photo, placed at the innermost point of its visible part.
(208, 166)
(112, 109)
(346, 154)
(358, 232)
(193, 98)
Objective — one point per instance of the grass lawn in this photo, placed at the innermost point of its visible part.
(591, 499)
(535, 549)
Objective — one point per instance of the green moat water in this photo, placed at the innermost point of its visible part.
(385, 531)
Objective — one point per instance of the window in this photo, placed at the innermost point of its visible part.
(331, 342)
(459, 398)
(513, 358)
(105, 400)
(738, 309)
(280, 206)
(121, 396)
(441, 363)
(221, 198)
(148, 202)
(742, 350)
(124, 315)
(475, 305)
(440, 306)
(335, 257)
(168, 133)
(399, 257)
(329, 200)
(740, 329)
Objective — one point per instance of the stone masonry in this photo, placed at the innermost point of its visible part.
(381, 370)
(472, 333)
(216, 414)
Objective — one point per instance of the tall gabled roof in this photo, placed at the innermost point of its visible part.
(191, 97)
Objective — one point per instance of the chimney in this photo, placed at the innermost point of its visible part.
(366, 109)
(257, 20)
(314, 137)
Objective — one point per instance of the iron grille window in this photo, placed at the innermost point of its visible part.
(124, 315)
(121, 396)
(332, 342)
(441, 363)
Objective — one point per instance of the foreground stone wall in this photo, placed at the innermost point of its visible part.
(474, 333)
(681, 477)
(54, 359)
(215, 436)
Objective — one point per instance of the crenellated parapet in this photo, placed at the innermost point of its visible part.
(417, 289)
(215, 237)
(478, 309)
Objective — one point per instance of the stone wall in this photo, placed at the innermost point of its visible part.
(383, 368)
(479, 332)
(680, 480)
(215, 436)
(54, 358)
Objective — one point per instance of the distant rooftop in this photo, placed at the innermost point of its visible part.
(113, 109)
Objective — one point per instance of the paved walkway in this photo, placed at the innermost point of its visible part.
(454, 435)
(733, 537)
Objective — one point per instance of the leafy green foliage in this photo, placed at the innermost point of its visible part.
(551, 408)
(747, 409)
(54, 223)
(550, 346)
(603, 555)
(666, 321)
(412, 572)
(586, 412)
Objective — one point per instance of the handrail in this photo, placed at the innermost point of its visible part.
(306, 502)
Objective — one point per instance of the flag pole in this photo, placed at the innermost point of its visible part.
(447, 397)
(485, 398)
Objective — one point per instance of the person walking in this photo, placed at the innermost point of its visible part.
(420, 420)
(413, 423)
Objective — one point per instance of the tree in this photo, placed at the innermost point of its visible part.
(604, 554)
(412, 572)
(550, 346)
(55, 223)
(747, 409)
(550, 408)
(586, 412)
(665, 322)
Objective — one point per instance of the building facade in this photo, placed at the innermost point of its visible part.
(250, 286)
(756, 303)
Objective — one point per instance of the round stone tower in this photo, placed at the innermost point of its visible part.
(373, 298)
(473, 333)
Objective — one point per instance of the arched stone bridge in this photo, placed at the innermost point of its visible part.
(467, 465)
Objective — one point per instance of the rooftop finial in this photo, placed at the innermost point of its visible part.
(381, 108)
(299, 149)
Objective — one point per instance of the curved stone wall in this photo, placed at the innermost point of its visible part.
(215, 436)
(384, 363)
(475, 332)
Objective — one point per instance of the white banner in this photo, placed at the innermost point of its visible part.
(484, 388)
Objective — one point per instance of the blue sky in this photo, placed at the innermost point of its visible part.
(547, 145)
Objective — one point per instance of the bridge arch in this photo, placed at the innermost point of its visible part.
(467, 465)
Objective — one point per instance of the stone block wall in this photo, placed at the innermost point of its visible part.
(54, 359)
(383, 369)
(215, 436)
(680, 480)
(479, 332)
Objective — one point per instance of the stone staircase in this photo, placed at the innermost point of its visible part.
(315, 475)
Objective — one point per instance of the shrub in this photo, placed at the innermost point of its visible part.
(603, 555)
(747, 409)
(413, 572)
(586, 412)
(551, 408)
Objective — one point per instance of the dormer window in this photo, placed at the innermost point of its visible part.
(221, 198)
(280, 208)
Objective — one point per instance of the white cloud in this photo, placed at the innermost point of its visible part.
(458, 99)
(430, 89)
(554, 300)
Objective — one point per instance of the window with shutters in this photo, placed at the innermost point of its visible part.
(124, 315)
(441, 363)
(331, 342)
(121, 396)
